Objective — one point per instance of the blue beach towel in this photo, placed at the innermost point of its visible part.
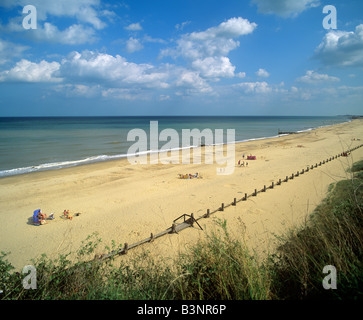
(35, 217)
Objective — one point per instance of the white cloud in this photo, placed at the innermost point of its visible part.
(241, 74)
(191, 81)
(313, 77)
(91, 66)
(134, 27)
(231, 28)
(90, 73)
(125, 94)
(48, 32)
(87, 14)
(180, 26)
(262, 73)
(85, 11)
(75, 34)
(10, 50)
(164, 97)
(342, 48)
(255, 87)
(133, 45)
(147, 38)
(336, 94)
(26, 71)
(77, 90)
(214, 67)
(207, 51)
(285, 8)
(215, 41)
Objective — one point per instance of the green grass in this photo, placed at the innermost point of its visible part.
(332, 236)
(219, 267)
(357, 166)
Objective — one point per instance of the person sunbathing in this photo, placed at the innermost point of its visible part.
(42, 217)
(39, 217)
(67, 215)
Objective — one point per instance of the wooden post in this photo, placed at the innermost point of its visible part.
(297, 173)
(126, 248)
(302, 172)
(264, 188)
(208, 213)
(279, 181)
(292, 176)
(287, 178)
(245, 198)
(173, 228)
(272, 185)
(192, 218)
(222, 207)
(234, 202)
(151, 237)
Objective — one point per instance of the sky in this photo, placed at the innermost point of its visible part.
(189, 57)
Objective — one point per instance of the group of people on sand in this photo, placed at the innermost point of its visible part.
(39, 218)
(189, 176)
(67, 215)
(242, 164)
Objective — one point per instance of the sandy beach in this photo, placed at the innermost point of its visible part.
(125, 202)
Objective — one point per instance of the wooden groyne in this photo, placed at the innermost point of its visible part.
(285, 132)
(190, 220)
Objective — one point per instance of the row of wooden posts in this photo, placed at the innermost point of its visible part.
(190, 220)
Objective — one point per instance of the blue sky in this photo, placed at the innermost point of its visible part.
(200, 57)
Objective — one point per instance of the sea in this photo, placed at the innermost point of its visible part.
(31, 144)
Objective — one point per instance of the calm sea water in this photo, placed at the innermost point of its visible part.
(34, 144)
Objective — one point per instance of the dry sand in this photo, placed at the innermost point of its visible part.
(125, 203)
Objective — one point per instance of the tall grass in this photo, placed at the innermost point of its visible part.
(332, 236)
(219, 267)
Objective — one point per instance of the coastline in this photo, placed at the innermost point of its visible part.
(108, 157)
(125, 203)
